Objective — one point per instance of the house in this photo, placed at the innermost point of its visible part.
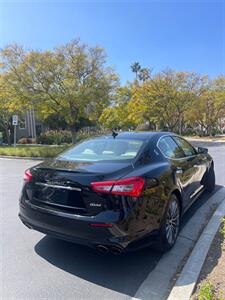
(28, 126)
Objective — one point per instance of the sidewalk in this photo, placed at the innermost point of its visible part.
(188, 278)
(160, 281)
(212, 276)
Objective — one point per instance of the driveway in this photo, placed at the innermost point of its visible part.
(35, 266)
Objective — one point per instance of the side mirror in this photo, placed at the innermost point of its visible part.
(202, 150)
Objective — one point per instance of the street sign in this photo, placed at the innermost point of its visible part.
(15, 120)
(15, 123)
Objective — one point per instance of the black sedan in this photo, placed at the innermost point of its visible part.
(119, 192)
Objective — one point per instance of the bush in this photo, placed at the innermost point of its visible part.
(90, 132)
(55, 137)
(24, 141)
(59, 137)
(32, 151)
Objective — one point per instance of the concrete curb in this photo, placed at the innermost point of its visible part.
(158, 284)
(186, 282)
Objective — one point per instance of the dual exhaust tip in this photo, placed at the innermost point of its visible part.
(109, 249)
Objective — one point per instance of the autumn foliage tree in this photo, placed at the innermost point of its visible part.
(70, 81)
(9, 105)
(72, 85)
(209, 108)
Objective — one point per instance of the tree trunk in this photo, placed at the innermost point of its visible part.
(74, 116)
(8, 137)
(180, 124)
(74, 134)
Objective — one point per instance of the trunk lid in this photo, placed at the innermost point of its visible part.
(65, 186)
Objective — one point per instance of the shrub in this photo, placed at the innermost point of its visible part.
(24, 141)
(58, 137)
(55, 137)
(32, 151)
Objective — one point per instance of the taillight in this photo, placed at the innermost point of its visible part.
(27, 176)
(130, 186)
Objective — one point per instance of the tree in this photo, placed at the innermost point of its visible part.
(71, 81)
(117, 115)
(8, 100)
(209, 107)
(163, 99)
(144, 74)
(135, 68)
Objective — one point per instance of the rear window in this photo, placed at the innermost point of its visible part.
(103, 149)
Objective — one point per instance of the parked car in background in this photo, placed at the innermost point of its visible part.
(117, 193)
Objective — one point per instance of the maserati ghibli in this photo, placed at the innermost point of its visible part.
(118, 192)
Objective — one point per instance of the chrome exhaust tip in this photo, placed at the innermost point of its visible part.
(116, 250)
(103, 249)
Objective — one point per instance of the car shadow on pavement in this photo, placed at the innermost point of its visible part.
(123, 274)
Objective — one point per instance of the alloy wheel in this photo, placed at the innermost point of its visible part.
(172, 222)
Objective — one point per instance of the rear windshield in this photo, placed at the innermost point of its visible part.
(103, 149)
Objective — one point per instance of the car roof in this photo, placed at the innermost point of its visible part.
(142, 135)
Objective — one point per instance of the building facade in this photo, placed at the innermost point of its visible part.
(29, 126)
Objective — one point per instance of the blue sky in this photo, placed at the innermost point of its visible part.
(183, 35)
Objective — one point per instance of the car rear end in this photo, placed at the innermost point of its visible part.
(80, 206)
(85, 198)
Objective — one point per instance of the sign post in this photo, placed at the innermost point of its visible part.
(15, 123)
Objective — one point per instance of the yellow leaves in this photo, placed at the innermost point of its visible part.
(69, 78)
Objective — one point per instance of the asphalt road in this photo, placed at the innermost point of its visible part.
(34, 266)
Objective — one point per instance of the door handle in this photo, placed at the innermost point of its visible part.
(179, 170)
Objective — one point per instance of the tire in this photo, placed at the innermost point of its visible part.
(170, 225)
(210, 182)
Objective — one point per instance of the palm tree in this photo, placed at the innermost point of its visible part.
(136, 67)
(144, 74)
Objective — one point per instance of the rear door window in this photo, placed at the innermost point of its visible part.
(170, 148)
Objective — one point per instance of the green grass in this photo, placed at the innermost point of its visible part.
(207, 292)
(32, 151)
(223, 227)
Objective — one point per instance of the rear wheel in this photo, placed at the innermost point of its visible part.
(210, 180)
(171, 225)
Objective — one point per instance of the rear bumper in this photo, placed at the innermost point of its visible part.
(74, 228)
(77, 229)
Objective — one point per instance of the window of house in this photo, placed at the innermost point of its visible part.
(22, 123)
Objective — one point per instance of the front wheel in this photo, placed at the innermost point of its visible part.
(171, 225)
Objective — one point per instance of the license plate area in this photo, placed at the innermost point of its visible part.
(61, 196)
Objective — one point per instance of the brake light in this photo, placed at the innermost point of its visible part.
(27, 176)
(130, 186)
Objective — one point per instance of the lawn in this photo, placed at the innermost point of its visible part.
(219, 138)
(32, 151)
